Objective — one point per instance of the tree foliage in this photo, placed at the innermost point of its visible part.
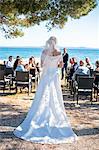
(16, 14)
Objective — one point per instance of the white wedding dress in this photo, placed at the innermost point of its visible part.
(46, 121)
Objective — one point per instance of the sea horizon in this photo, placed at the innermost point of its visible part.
(71, 47)
(80, 53)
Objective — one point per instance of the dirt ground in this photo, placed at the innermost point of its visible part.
(84, 119)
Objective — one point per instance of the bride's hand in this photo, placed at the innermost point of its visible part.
(60, 65)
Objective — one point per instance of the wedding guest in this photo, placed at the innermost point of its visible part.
(26, 66)
(71, 62)
(70, 67)
(9, 63)
(20, 66)
(31, 63)
(96, 79)
(65, 62)
(75, 64)
(97, 66)
(73, 68)
(81, 70)
(88, 63)
(38, 67)
(33, 60)
(16, 62)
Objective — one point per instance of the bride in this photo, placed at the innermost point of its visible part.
(46, 121)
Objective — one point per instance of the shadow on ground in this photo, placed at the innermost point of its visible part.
(13, 120)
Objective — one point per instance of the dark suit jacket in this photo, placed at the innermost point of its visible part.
(65, 58)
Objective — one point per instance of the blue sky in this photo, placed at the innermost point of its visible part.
(83, 32)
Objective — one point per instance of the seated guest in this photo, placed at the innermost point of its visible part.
(71, 62)
(69, 68)
(16, 62)
(73, 68)
(9, 63)
(88, 63)
(75, 64)
(31, 63)
(97, 66)
(20, 66)
(26, 66)
(81, 70)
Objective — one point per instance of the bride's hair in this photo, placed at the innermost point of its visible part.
(51, 44)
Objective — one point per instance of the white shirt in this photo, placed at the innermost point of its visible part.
(82, 70)
(9, 64)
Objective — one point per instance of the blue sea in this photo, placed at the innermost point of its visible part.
(26, 52)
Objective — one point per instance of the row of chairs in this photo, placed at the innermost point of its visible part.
(85, 85)
(10, 71)
(22, 79)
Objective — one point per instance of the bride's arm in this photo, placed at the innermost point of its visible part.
(42, 58)
(60, 63)
(41, 63)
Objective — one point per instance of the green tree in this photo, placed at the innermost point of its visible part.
(18, 14)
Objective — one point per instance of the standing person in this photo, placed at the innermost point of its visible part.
(38, 67)
(46, 121)
(65, 62)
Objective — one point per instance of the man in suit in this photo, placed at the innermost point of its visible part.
(65, 62)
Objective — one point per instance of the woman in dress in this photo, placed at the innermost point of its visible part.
(46, 121)
(20, 66)
(32, 63)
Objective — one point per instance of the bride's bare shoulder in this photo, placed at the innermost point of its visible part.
(44, 51)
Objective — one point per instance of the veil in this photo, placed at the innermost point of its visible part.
(51, 44)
